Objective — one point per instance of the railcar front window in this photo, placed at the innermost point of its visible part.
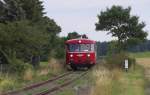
(85, 47)
(92, 47)
(74, 47)
(81, 47)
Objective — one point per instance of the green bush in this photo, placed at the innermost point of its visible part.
(18, 67)
(7, 84)
(117, 60)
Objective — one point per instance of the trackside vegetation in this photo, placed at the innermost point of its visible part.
(118, 82)
(47, 70)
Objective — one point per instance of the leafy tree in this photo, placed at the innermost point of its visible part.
(33, 9)
(11, 11)
(14, 10)
(25, 33)
(121, 24)
(52, 29)
(59, 51)
(19, 39)
(73, 35)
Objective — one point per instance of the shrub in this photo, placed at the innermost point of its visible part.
(117, 60)
(6, 84)
(18, 67)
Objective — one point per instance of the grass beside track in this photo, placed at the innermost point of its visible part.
(131, 83)
(46, 71)
(119, 82)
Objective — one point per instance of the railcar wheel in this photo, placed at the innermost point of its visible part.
(74, 67)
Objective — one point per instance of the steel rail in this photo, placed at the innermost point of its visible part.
(56, 88)
(37, 84)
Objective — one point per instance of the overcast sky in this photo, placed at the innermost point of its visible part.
(81, 15)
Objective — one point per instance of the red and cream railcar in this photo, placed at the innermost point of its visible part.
(80, 53)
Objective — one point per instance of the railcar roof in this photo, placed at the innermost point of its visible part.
(80, 41)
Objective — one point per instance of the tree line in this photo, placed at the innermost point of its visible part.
(103, 48)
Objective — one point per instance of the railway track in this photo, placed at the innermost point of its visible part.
(52, 85)
(16, 92)
(58, 87)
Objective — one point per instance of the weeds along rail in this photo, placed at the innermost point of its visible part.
(37, 84)
(56, 88)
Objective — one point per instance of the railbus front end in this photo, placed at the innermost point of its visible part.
(80, 53)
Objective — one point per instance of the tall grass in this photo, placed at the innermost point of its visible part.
(103, 82)
(118, 82)
(7, 82)
(55, 66)
(28, 74)
(104, 79)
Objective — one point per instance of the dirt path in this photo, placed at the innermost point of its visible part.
(145, 62)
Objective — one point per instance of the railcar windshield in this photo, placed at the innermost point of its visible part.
(81, 47)
(73, 47)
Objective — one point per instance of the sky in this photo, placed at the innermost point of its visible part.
(81, 15)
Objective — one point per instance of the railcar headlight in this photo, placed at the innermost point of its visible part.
(71, 55)
(88, 55)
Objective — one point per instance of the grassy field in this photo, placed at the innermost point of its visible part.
(118, 82)
(140, 54)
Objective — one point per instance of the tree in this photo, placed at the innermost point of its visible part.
(25, 33)
(33, 9)
(11, 11)
(19, 39)
(73, 35)
(121, 24)
(52, 30)
(22, 9)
